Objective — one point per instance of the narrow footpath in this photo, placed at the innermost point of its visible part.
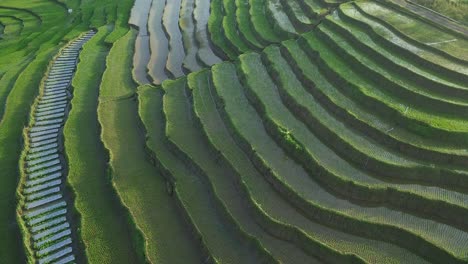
(45, 211)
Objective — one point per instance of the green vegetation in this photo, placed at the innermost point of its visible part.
(138, 184)
(456, 9)
(105, 233)
(232, 131)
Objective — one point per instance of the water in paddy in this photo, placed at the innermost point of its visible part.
(141, 58)
(139, 17)
(158, 43)
(187, 27)
(201, 15)
(176, 55)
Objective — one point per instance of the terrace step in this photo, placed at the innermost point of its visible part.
(42, 148)
(176, 53)
(449, 130)
(50, 231)
(40, 160)
(47, 224)
(53, 96)
(59, 76)
(232, 29)
(44, 132)
(201, 15)
(403, 83)
(41, 138)
(51, 215)
(44, 172)
(40, 187)
(51, 239)
(207, 222)
(48, 107)
(69, 71)
(63, 69)
(44, 128)
(362, 119)
(260, 195)
(426, 33)
(43, 179)
(40, 154)
(42, 197)
(57, 82)
(54, 102)
(44, 210)
(56, 89)
(249, 133)
(49, 122)
(65, 260)
(52, 99)
(54, 247)
(49, 112)
(55, 256)
(356, 148)
(50, 116)
(42, 143)
(245, 24)
(37, 203)
(262, 92)
(37, 195)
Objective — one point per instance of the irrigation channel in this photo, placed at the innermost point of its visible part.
(44, 209)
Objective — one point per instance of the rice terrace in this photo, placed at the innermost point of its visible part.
(233, 131)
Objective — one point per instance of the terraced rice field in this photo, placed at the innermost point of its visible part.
(232, 131)
(44, 205)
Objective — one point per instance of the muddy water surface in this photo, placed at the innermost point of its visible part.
(159, 45)
(139, 17)
(187, 27)
(176, 55)
(201, 15)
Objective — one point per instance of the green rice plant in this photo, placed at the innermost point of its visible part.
(216, 29)
(231, 29)
(180, 181)
(419, 30)
(282, 25)
(261, 23)
(449, 129)
(12, 25)
(137, 183)
(395, 41)
(207, 53)
(205, 166)
(264, 95)
(298, 16)
(371, 159)
(434, 83)
(455, 9)
(281, 172)
(16, 113)
(245, 24)
(105, 234)
(268, 209)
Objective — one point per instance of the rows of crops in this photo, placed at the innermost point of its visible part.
(344, 144)
(231, 131)
(43, 203)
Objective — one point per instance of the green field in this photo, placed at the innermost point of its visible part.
(233, 131)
